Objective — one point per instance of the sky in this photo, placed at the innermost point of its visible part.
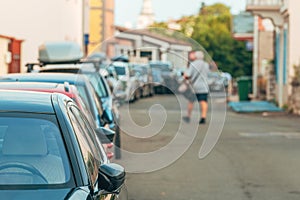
(127, 11)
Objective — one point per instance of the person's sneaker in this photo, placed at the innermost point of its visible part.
(202, 121)
(186, 119)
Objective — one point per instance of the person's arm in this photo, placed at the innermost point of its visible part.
(185, 76)
(188, 72)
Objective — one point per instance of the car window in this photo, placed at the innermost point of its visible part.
(32, 151)
(163, 67)
(84, 95)
(141, 70)
(120, 70)
(96, 102)
(86, 139)
(90, 98)
(98, 85)
(87, 112)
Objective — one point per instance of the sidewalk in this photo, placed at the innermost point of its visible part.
(252, 106)
(233, 98)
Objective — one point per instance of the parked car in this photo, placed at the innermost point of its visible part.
(66, 89)
(215, 82)
(49, 150)
(158, 81)
(109, 105)
(99, 60)
(165, 76)
(128, 80)
(144, 75)
(97, 81)
(83, 85)
(118, 89)
(69, 60)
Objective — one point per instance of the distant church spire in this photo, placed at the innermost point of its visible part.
(146, 16)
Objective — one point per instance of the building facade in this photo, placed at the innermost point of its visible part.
(10, 54)
(36, 22)
(257, 33)
(143, 45)
(101, 23)
(286, 19)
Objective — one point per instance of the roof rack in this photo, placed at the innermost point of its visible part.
(31, 65)
(41, 64)
(67, 86)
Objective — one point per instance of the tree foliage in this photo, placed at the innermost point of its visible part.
(213, 31)
(211, 28)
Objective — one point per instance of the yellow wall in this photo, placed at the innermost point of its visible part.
(100, 29)
(96, 24)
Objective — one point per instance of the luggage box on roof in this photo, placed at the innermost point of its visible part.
(60, 52)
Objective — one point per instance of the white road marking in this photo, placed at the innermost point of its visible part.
(288, 135)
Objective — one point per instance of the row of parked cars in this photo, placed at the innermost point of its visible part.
(58, 124)
(142, 80)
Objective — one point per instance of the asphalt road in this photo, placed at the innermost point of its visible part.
(256, 157)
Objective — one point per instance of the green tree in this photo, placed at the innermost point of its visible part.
(211, 28)
(213, 31)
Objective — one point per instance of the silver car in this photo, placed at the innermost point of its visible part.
(128, 80)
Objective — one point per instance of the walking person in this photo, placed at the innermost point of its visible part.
(197, 74)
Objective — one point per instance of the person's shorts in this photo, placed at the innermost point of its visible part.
(202, 97)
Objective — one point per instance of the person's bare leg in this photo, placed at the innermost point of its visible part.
(204, 108)
(190, 109)
(189, 112)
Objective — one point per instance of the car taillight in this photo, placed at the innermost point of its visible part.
(109, 155)
(109, 145)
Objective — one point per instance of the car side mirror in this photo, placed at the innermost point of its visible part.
(111, 177)
(105, 135)
(111, 74)
(107, 117)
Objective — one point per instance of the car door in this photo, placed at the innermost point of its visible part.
(91, 150)
(88, 94)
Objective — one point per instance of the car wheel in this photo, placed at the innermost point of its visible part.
(137, 95)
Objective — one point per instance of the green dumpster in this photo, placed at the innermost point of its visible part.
(244, 87)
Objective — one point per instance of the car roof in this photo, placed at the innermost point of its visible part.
(119, 64)
(25, 101)
(45, 77)
(73, 68)
(65, 88)
(158, 62)
(28, 85)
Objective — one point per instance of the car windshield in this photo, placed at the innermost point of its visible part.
(120, 70)
(163, 67)
(141, 70)
(32, 151)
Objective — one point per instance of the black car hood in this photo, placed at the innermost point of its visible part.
(48, 194)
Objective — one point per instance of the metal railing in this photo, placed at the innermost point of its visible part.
(265, 2)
